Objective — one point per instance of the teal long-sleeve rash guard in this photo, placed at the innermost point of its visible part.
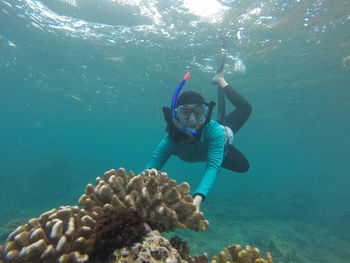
(209, 149)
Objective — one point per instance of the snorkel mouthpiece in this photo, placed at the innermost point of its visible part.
(190, 131)
(185, 129)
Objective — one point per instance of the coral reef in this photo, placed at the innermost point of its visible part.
(231, 254)
(73, 235)
(114, 216)
(181, 246)
(63, 235)
(184, 250)
(201, 258)
(234, 253)
(2, 254)
(165, 205)
(154, 249)
(10, 226)
(116, 225)
(116, 229)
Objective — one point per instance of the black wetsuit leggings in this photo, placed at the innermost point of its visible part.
(234, 160)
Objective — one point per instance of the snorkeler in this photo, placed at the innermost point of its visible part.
(194, 137)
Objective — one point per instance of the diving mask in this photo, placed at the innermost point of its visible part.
(192, 114)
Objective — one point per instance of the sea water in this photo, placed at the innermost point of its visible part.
(82, 85)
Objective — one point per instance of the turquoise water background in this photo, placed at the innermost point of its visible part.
(83, 83)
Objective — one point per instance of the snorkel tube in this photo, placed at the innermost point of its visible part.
(185, 129)
(177, 92)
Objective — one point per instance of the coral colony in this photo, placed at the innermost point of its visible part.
(121, 220)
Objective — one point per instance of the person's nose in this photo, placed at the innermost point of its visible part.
(192, 117)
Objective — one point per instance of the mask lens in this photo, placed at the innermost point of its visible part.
(188, 113)
(184, 112)
(200, 112)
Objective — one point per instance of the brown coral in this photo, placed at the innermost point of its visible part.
(181, 246)
(73, 235)
(154, 249)
(231, 254)
(235, 254)
(2, 254)
(117, 228)
(165, 205)
(63, 235)
(114, 215)
(201, 258)
(70, 234)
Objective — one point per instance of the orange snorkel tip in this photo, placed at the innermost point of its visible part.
(187, 76)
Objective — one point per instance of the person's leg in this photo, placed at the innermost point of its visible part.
(234, 160)
(221, 105)
(239, 116)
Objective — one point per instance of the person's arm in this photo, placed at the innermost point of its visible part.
(216, 141)
(162, 153)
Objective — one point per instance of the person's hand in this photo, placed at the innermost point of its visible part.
(197, 200)
(219, 80)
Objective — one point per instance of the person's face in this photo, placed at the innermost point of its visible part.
(192, 115)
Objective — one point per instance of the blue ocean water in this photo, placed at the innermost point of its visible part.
(83, 83)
